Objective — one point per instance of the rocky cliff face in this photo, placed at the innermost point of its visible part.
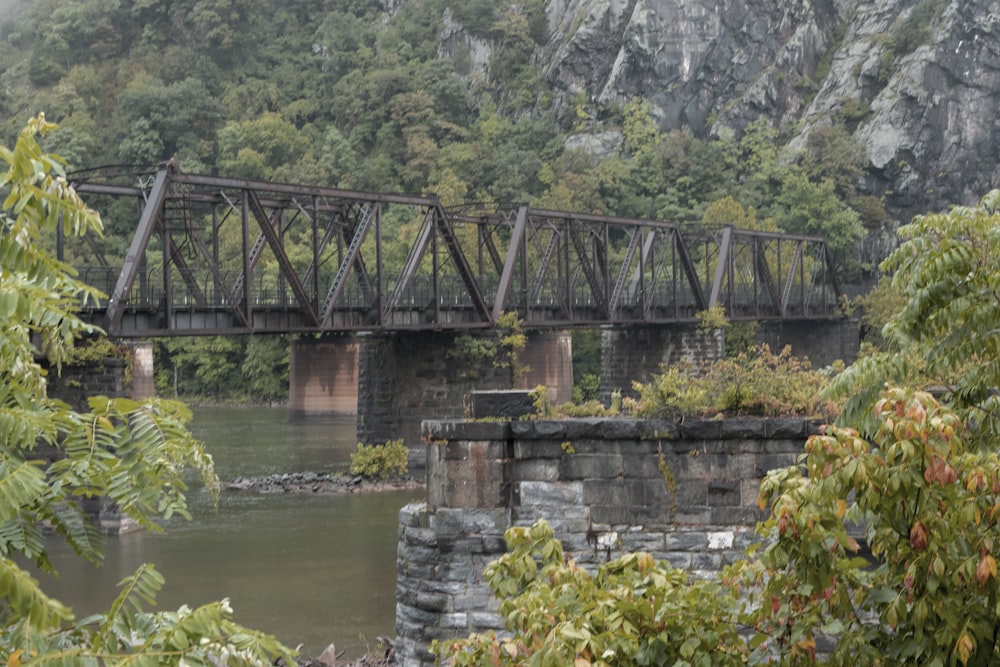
(918, 81)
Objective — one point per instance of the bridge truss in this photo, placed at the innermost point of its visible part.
(213, 255)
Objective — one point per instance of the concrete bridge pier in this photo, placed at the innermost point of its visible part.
(548, 356)
(635, 354)
(323, 377)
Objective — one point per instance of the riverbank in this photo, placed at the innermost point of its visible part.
(320, 483)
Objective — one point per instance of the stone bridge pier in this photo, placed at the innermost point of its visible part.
(635, 354)
(630, 354)
(323, 377)
(405, 376)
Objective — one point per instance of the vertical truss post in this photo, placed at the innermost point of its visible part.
(247, 264)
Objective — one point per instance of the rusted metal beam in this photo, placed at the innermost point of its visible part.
(514, 252)
(136, 251)
(279, 253)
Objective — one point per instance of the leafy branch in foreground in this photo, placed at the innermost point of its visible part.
(947, 335)
(134, 453)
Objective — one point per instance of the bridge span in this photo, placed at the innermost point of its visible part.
(212, 255)
(383, 286)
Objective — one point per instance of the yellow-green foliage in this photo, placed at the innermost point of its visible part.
(634, 610)
(761, 383)
(380, 461)
(138, 455)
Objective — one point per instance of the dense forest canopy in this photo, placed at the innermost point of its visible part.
(362, 94)
(358, 94)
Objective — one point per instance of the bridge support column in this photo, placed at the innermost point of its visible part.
(635, 354)
(405, 376)
(823, 341)
(548, 356)
(141, 375)
(323, 377)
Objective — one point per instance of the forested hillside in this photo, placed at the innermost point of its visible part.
(698, 112)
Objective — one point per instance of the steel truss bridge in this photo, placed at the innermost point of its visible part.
(213, 255)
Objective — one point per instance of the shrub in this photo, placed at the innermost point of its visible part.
(760, 383)
(380, 461)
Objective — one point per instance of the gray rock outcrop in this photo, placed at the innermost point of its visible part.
(917, 81)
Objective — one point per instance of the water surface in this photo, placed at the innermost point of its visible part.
(311, 569)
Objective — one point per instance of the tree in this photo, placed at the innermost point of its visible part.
(134, 453)
(947, 335)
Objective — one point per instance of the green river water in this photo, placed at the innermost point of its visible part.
(311, 569)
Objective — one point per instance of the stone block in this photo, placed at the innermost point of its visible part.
(512, 403)
(605, 492)
(471, 450)
(538, 449)
(794, 427)
(547, 494)
(711, 562)
(620, 429)
(693, 515)
(740, 466)
(417, 537)
(701, 429)
(612, 515)
(651, 516)
(590, 466)
(584, 428)
(654, 430)
(724, 493)
(646, 466)
(736, 516)
(538, 429)
(686, 540)
(720, 540)
(690, 492)
(741, 428)
(537, 470)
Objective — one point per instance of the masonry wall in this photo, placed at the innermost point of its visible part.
(822, 342)
(74, 383)
(635, 354)
(406, 375)
(685, 492)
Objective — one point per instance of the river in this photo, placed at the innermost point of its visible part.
(310, 569)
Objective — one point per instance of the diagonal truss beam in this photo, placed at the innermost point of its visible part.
(589, 271)
(137, 250)
(514, 252)
(279, 253)
(353, 253)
